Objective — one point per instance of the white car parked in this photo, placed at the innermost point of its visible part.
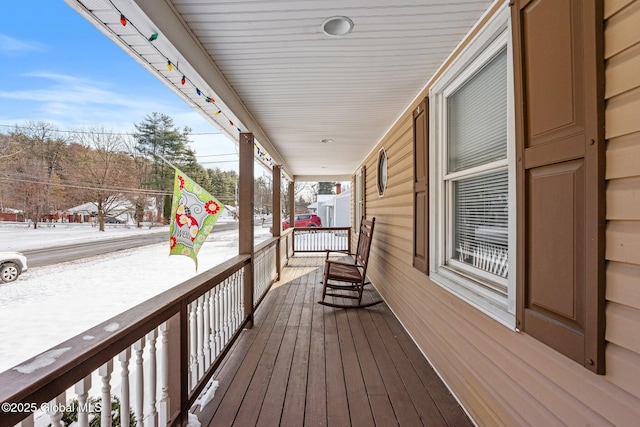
(12, 265)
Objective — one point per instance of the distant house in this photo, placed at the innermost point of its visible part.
(121, 209)
(333, 209)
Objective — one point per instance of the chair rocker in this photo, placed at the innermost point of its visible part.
(347, 279)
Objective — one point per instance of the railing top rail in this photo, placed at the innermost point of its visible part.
(266, 244)
(322, 228)
(77, 357)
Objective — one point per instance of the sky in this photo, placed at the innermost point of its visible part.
(57, 68)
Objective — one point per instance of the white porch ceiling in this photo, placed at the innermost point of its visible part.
(272, 71)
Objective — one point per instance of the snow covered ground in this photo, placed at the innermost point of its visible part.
(48, 305)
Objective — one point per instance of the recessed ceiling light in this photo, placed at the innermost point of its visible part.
(326, 140)
(337, 26)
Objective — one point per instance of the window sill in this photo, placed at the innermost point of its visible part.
(485, 300)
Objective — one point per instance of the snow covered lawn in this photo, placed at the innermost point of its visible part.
(48, 305)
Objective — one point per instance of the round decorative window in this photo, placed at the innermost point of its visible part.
(382, 171)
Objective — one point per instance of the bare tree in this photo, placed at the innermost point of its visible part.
(104, 165)
(35, 167)
(138, 178)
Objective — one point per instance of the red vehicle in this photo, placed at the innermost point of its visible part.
(304, 220)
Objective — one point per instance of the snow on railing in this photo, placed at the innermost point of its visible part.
(135, 361)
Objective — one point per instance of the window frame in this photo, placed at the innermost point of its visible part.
(383, 168)
(463, 281)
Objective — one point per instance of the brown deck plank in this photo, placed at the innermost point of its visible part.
(383, 413)
(275, 395)
(449, 407)
(406, 412)
(235, 357)
(249, 410)
(293, 410)
(308, 364)
(239, 380)
(337, 403)
(359, 406)
(417, 392)
(316, 401)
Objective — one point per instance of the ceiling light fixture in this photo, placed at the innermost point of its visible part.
(326, 141)
(337, 26)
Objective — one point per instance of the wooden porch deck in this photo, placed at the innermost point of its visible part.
(306, 364)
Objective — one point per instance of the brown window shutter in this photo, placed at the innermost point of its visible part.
(359, 193)
(560, 175)
(421, 187)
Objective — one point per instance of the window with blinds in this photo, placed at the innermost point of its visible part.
(476, 178)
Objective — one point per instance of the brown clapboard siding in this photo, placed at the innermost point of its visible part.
(621, 30)
(623, 284)
(612, 7)
(504, 378)
(623, 324)
(623, 242)
(622, 72)
(623, 199)
(622, 114)
(623, 154)
(623, 368)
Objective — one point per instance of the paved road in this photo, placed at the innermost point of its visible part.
(70, 252)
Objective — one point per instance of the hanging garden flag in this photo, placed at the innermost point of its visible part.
(193, 215)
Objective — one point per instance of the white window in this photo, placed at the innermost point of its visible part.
(473, 181)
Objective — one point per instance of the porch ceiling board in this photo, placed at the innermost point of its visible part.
(275, 71)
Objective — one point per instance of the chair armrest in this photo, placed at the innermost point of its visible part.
(348, 264)
(328, 251)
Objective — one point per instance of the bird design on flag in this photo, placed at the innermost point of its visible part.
(183, 217)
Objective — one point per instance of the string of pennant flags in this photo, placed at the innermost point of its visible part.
(171, 66)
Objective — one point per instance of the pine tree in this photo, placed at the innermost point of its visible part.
(157, 139)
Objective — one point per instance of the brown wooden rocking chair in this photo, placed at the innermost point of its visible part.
(349, 277)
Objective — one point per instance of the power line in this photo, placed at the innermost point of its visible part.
(98, 133)
(87, 187)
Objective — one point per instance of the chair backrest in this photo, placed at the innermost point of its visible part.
(364, 243)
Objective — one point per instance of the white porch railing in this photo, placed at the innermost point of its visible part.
(149, 363)
(320, 239)
(265, 270)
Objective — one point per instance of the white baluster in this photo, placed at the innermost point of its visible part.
(82, 391)
(221, 306)
(212, 325)
(105, 373)
(138, 347)
(206, 332)
(240, 279)
(125, 410)
(227, 311)
(239, 284)
(234, 312)
(152, 416)
(163, 405)
(218, 315)
(54, 415)
(193, 343)
(200, 335)
(237, 315)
